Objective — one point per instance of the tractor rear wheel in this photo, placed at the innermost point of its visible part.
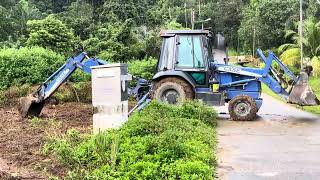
(242, 108)
(171, 90)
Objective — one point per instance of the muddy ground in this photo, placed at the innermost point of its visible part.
(21, 140)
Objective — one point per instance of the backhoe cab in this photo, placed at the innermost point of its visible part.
(194, 65)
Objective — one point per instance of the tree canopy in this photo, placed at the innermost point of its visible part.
(125, 29)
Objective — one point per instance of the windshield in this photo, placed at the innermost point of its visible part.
(190, 53)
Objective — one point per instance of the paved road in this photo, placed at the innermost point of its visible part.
(282, 144)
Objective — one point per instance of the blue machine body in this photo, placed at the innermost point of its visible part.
(33, 104)
(236, 80)
(65, 71)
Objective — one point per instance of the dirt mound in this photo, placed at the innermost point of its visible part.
(21, 140)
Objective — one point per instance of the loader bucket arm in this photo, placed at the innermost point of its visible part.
(299, 91)
(33, 103)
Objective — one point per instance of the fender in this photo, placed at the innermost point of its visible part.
(170, 73)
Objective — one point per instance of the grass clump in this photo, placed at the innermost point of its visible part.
(161, 142)
(12, 94)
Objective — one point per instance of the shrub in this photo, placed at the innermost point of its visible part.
(50, 33)
(291, 58)
(143, 68)
(71, 92)
(315, 62)
(11, 95)
(80, 76)
(161, 142)
(27, 65)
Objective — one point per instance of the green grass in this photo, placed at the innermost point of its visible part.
(161, 142)
(233, 52)
(314, 83)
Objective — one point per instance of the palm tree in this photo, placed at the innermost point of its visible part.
(290, 53)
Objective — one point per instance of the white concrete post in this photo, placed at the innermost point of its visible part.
(109, 96)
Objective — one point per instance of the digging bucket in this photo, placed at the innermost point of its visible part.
(302, 94)
(30, 106)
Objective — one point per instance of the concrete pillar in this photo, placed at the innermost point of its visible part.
(109, 96)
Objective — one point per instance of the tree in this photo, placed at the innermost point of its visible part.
(313, 9)
(290, 52)
(227, 19)
(79, 17)
(6, 25)
(265, 22)
(115, 42)
(25, 11)
(50, 33)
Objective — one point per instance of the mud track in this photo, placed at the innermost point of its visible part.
(21, 140)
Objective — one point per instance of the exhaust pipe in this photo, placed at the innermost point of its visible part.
(302, 94)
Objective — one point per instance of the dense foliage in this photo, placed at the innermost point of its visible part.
(161, 142)
(88, 17)
(122, 30)
(143, 68)
(50, 33)
(27, 65)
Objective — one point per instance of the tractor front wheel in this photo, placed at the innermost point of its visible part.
(242, 108)
(171, 90)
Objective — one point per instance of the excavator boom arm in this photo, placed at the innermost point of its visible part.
(33, 104)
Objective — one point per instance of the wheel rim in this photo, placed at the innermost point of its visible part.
(242, 109)
(170, 96)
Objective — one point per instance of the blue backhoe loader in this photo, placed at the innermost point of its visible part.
(193, 64)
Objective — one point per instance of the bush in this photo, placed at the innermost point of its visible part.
(50, 33)
(27, 65)
(161, 142)
(143, 68)
(291, 58)
(315, 63)
(74, 92)
(11, 95)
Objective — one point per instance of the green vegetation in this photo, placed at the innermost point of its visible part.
(74, 92)
(143, 68)
(11, 95)
(124, 31)
(264, 23)
(290, 52)
(315, 85)
(50, 33)
(161, 142)
(27, 65)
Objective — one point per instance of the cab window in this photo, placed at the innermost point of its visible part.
(190, 53)
(167, 54)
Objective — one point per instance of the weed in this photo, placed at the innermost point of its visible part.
(36, 122)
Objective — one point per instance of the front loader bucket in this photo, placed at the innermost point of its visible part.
(302, 94)
(30, 106)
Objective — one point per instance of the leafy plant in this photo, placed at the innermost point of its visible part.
(161, 142)
(315, 63)
(143, 68)
(74, 92)
(50, 33)
(311, 44)
(27, 65)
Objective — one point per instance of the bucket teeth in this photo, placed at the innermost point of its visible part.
(302, 94)
(30, 106)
